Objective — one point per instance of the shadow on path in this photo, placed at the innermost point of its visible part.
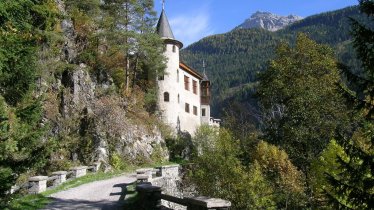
(66, 204)
(124, 201)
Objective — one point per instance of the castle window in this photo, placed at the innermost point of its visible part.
(194, 110)
(174, 48)
(187, 108)
(165, 47)
(177, 75)
(194, 86)
(186, 83)
(166, 97)
(203, 112)
(178, 99)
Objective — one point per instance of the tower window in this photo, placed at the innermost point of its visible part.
(194, 86)
(195, 110)
(203, 112)
(187, 108)
(166, 97)
(174, 48)
(177, 75)
(186, 83)
(178, 99)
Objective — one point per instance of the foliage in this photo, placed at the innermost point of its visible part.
(288, 181)
(218, 172)
(205, 136)
(180, 147)
(241, 119)
(302, 106)
(353, 187)
(327, 162)
(21, 145)
(117, 161)
(130, 44)
(24, 25)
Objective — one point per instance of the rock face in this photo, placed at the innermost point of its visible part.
(88, 117)
(268, 21)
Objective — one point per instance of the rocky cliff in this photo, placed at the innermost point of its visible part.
(90, 119)
(268, 21)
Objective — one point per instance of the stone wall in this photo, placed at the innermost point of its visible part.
(172, 184)
(164, 188)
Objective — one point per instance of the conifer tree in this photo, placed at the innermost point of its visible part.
(23, 26)
(128, 32)
(353, 188)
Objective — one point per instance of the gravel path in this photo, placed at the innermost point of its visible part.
(106, 194)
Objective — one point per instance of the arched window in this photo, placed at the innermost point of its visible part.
(166, 96)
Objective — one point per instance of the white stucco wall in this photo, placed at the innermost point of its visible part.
(173, 83)
(189, 121)
(170, 110)
(205, 119)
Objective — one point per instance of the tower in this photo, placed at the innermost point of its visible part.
(168, 83)
(183, 93)
(205, 98)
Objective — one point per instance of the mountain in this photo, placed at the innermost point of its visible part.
(234, 59)
(268, 21)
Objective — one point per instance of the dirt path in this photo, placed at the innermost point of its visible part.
(105, 194)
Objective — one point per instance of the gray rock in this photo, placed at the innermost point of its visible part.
(268, 21)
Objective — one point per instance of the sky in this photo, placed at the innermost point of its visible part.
(192, 20)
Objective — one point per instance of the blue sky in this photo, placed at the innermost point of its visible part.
(192, 20)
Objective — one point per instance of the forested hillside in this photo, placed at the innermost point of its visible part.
(234, 59)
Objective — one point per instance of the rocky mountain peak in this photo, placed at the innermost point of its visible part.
(268, 21)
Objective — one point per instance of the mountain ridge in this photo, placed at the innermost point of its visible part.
(235, 58)
(268, 21)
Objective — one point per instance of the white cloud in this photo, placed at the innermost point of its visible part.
(192, 26)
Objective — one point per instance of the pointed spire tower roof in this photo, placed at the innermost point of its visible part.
(164, 30)
(163, 27)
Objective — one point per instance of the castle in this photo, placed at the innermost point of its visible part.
(184, 94)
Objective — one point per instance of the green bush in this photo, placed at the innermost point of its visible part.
(117, 162)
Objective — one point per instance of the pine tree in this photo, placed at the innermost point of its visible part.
(23, 26)
(354, 187)
(128, 33)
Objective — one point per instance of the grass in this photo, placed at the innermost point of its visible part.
(29, 202)
(34, 202)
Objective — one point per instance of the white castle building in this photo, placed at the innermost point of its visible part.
(184, 94)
